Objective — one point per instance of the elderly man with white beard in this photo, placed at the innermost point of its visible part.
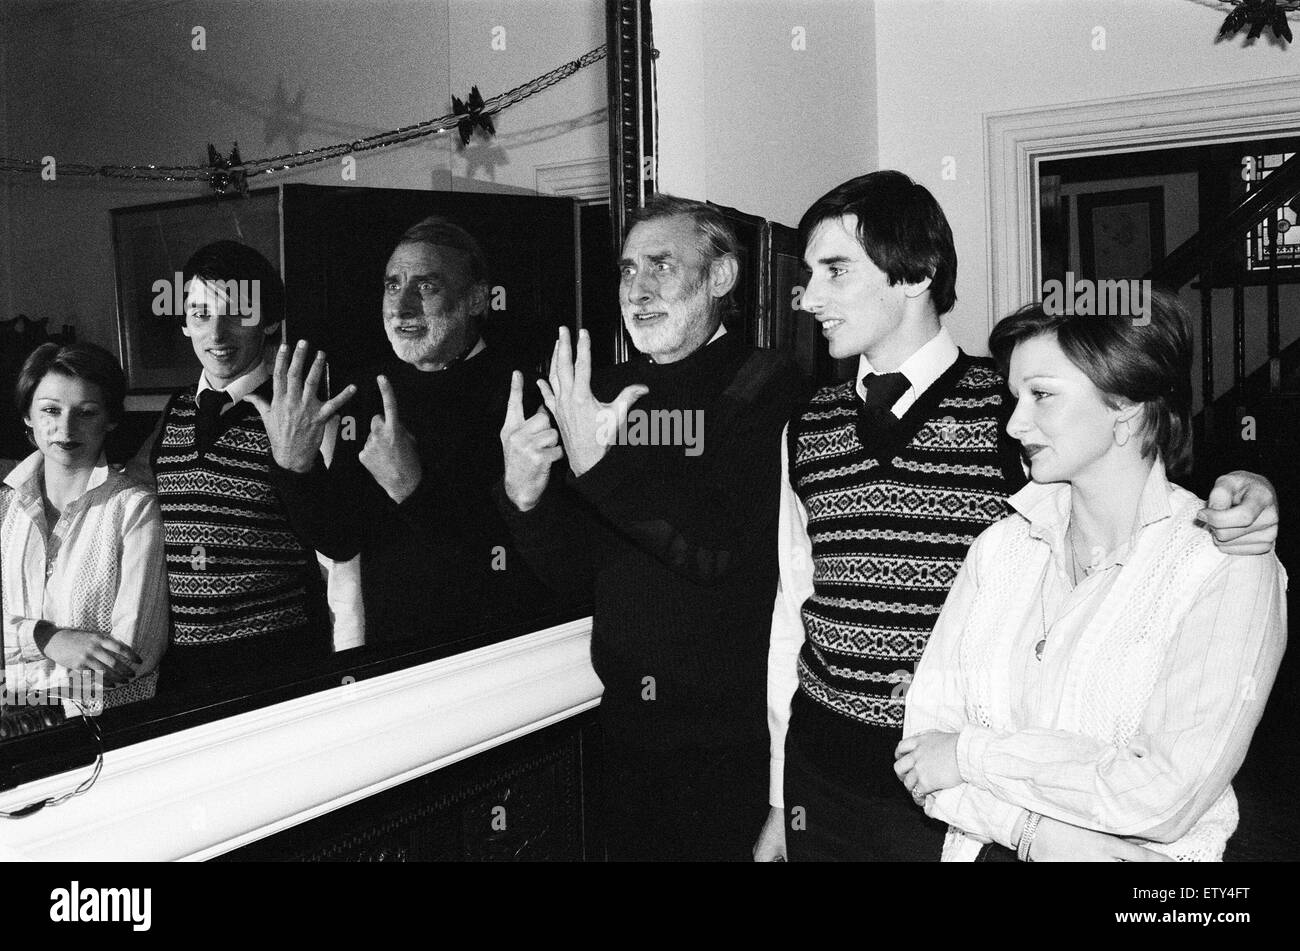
(677, 540)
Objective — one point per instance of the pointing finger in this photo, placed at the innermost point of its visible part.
(515, 406)
(389, 399)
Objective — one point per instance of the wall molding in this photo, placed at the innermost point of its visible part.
(584, 179)
(200, 792)
(1016, 141)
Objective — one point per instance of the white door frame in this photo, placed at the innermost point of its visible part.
(1016, 141)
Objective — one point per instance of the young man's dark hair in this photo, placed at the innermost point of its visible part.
(224, 262)
(900, 226)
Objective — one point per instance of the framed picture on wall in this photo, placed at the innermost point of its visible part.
(1121, 233)
(151, 244)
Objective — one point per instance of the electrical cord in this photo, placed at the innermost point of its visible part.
(35, 807)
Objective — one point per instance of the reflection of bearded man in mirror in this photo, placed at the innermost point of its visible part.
(417, 450)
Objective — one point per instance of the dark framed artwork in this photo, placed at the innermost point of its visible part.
(152, 243)
(1121, 233)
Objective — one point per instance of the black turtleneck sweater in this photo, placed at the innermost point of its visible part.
(679, 550)
(430, 567)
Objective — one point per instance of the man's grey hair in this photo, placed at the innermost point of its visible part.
(445, 233)
(716, 238)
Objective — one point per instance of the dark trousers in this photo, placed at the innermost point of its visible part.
(238, 667)
(829, 821)
(695, 804)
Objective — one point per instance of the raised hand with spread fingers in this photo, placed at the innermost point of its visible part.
(295, 417)
(587, 426)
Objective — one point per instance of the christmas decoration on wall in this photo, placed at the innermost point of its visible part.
(227, 173)
(230, 173)
(473, 117)
(1258, 15)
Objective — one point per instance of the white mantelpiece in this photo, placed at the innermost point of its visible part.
(200, 792)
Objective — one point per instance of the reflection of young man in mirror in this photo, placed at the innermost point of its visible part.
(889, 479)
(416, 455)
(246, 592)
(678, 538)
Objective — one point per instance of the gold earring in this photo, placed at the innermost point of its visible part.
(1128, 433)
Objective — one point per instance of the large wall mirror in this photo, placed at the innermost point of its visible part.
(82, 257)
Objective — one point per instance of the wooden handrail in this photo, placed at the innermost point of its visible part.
(1190, 258)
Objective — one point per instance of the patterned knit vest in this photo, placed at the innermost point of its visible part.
(234, 565)
(889, 530)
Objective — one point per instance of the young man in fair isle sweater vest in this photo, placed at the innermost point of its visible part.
(246, 593)
(890, 477)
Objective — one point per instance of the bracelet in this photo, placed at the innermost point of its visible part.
(1027, 837)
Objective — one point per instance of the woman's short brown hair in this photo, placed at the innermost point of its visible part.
(84, 360)
(1146, 361)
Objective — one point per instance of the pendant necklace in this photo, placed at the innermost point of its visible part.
(1042, 593)
(1042, 609)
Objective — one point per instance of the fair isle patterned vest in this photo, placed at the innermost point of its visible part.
(234, 565)
(889, 534)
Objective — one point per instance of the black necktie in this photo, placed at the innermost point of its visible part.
(211, 402)
(875, 421)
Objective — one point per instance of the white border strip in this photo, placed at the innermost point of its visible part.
(201, 792)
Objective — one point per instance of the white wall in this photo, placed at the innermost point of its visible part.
(6, 201)
(746, 118)
(120, 83)
(943, 64)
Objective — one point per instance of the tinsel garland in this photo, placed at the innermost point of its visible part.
(230, 173)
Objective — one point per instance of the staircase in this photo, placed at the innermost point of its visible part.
(1263, 402)
(1267, 395)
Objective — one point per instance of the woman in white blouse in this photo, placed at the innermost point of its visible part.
(1099, 664)
(85, 585)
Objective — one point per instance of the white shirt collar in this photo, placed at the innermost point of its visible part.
(247, 383)
(922, 368)
(26, 476)
(1046, 506)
